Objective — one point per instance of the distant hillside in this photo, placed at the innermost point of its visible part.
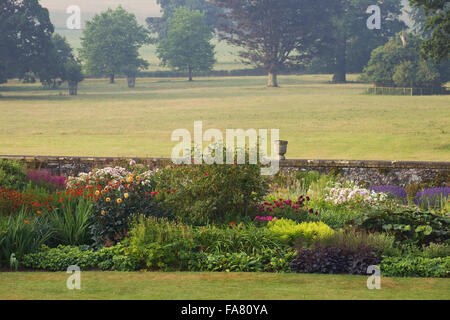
(57, 8)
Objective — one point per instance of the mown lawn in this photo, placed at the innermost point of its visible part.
(217, 286)
(320, 120)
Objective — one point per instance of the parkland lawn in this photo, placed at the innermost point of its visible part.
(320, 120)
(217, 286)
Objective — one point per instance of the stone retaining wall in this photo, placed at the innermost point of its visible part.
(399, 173)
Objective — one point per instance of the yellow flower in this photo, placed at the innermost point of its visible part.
(130, 179)
(119, 201)
(97, 193)
(108, 199)
(126, 195)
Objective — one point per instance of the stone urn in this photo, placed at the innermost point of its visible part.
(131, 82)
(281, 149)
(73, 88)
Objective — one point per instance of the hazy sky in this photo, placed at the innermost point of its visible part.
(138, 7)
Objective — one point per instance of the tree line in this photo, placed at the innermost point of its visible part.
(277, 35)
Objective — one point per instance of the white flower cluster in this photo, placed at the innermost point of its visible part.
(107, 175)
(354, 194)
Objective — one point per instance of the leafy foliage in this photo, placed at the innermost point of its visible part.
(438, 23)
(116, 205)
(25, 37)
(187, 46)
(418, 227)
(21, 234)
(12, 174)
(415, 267)
(290, 232)
(268, 260)
(58, 259)
(169, 245)
(335, 260)
(111, 40)
(274, 34)
(202, 194)
(70, 222)
(348, 43)
(398, 63)
(58, 56)
(160, 26)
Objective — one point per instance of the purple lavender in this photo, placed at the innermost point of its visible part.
(431, 196)
(399, 193)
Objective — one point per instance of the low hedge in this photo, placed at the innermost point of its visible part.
(415, 267)
(268, 260)
(58, 259)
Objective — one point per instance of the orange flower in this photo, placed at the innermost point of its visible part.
(232, 223)
(27, 221)
(119, 200)
(103, 212)
(39, 213)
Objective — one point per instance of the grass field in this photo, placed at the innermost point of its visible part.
(217, 286)
(320, 120)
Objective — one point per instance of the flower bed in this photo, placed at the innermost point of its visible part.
(218, 218)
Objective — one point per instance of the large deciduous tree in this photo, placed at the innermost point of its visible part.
(399, 64)
(438, 23)
(56, 58)
(187, 46)
(274, 34)
(111, 40)
(25, 31)
(349, 41)
(160, 26)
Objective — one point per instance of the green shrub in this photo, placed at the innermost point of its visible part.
(290, 232)
(418, 227)
(161, 244)
(170, 245)
(202, 194)
(268, 260)
(336, 217)
(335, 260)
(436, 250)
(353, 239)
(60, 258)
(70, 222)
(432, 250)
(415, 267)
(12, 174)
(115, 208)
(237, 238)
(21, 234)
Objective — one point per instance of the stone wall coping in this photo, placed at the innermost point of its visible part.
(288, 163)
